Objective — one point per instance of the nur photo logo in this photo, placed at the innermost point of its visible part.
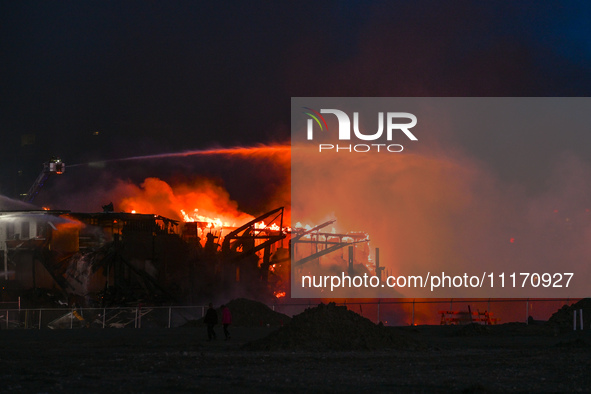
(390, 123)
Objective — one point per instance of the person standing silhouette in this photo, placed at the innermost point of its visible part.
(211, 319)
(226, 320)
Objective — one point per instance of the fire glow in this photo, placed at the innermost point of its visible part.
(201, 201)
(204, 200)
(211, 222)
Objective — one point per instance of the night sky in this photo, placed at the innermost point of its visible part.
(98, 80)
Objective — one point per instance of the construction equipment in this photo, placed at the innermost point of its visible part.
(53, 166)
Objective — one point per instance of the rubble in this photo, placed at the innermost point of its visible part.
(332, 327)
(472, 329)
(109, 258)
(249, 313)
(514, 329)
(576, 343)
(563, 318)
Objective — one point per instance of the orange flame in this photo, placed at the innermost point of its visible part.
(212, 222)
(202, 201)
(271, 227)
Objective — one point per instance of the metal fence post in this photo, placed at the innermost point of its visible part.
(378, 311)
(25, 317)
(575, 320)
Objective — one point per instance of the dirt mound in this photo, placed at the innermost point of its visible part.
(331, 327)
(248, 313)
(513, 329)
(578, 343)
(537, 328)
(563, 318)
(473, 329)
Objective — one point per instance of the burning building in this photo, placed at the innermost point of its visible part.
(111, 258)
(204, 247)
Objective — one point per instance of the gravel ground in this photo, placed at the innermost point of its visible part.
(505, 358)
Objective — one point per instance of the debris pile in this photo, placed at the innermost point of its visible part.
(577, 343)
(563, 318)
(331, 327)
(248, 313)
(513, 329)
(33, 298)
(472, 329)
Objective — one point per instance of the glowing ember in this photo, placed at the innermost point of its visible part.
(279, 294)
(270, 227)
(212, 222)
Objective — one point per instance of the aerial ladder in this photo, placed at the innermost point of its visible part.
(53, 166)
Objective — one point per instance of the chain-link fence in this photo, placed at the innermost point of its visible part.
(389, 312)
(400, 312)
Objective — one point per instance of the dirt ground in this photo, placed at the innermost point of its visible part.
(506, 358)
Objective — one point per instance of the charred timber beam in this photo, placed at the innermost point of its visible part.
(252, 251)
(316, 255)
(333, 235)
(46, 257)
(146, 279)
(297, 237)
(258, 236)
(252, 222)
(325, 242)
(323, 252)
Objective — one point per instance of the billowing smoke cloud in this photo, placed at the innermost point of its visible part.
(433, 212)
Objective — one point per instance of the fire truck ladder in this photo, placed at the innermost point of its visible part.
(53, 166)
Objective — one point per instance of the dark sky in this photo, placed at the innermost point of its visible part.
(159, 76)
